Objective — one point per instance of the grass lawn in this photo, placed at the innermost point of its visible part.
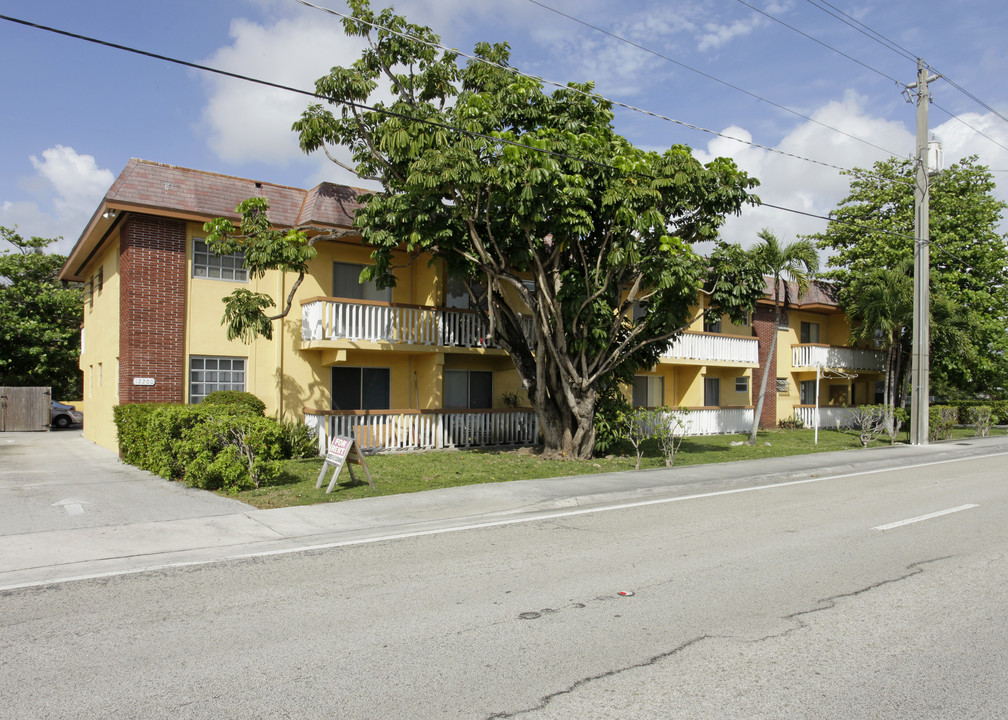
(414, 472)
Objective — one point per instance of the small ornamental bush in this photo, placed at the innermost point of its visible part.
(941, 419)
(299, 440)
(794, 423)
(231, 452)
(981, 417)
(236, 398)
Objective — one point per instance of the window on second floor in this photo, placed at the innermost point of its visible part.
(809, 332)
(711, 322)
(347, 284)
(208, 264)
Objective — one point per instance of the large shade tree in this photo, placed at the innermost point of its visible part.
(873, 227)
(507, 184)
(40, 317)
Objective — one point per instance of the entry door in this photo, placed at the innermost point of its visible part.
(712, 392)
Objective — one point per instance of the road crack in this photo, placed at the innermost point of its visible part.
(547, 699)
(831, 602)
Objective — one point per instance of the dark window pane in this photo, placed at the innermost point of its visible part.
(375, 394)
(346, 388)
(480, 389)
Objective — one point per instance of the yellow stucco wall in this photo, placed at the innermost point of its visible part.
(99, 359)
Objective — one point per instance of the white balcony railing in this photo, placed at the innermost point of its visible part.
(809, 356)
(829, 417)
(707, 347)
(400, 430)
(336, 319)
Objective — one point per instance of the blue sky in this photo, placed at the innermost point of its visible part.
(75, 113)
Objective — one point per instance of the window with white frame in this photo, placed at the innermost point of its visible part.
(208, 264)
(712, 392)
(208, 374)
(742, 384)
(809, 332)
(711, 322)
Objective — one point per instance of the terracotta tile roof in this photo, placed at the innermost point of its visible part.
(176, 189)
(169, 190)
(819, 293)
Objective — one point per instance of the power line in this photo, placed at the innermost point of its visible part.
(597, 96)
(359, 106)
(820, 42)
(899, 50)
(703, 74)
(863, 29)
(976, 130)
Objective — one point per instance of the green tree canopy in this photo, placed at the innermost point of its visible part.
(874, 228)
(506, 184)
(40, 318)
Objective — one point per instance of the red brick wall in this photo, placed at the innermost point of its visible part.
(763, 327)
(152, 269)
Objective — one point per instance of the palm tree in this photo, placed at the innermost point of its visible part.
(881, 312)
(798, 262)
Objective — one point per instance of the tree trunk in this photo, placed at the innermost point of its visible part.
(771, 365)
(568, 431)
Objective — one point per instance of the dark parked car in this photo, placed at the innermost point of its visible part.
(63, 416)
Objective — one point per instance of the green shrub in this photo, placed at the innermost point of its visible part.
(230, 452)
(941, 420)
(611, 409)
(298, 440)
(236, 398)
(981, 418)
(166, 428)
(793, 423)
(131, 428)
(999, 409)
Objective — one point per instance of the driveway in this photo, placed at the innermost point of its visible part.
(60, 481)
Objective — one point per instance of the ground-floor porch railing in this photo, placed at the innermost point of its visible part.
(711, 420)
(829, 417)
(401, 430)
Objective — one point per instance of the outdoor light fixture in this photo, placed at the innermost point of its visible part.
(109, 214)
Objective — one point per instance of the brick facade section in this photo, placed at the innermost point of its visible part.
(152, 267)
(763, 328)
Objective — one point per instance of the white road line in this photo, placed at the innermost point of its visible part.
(901, 523)
(491, 524)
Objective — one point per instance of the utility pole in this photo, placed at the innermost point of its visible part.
(919, 358)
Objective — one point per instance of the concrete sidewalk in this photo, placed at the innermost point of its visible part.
(205, 528)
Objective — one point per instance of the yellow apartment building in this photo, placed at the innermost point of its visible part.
(403, 368)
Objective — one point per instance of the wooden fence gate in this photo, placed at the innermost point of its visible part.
(24, 408)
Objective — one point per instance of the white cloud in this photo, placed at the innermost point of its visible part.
(78, 181)
(801, 185)
(252, 123)
(716, 35)
(66, 189)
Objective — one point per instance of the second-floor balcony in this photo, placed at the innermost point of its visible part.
(714, 348)
(334, 319)
(828, 356)
(341, 319)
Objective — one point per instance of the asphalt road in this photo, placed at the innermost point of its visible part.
(802, 600)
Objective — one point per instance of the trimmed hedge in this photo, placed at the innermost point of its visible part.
(999, 409)
(236, 398)
(227, 446)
